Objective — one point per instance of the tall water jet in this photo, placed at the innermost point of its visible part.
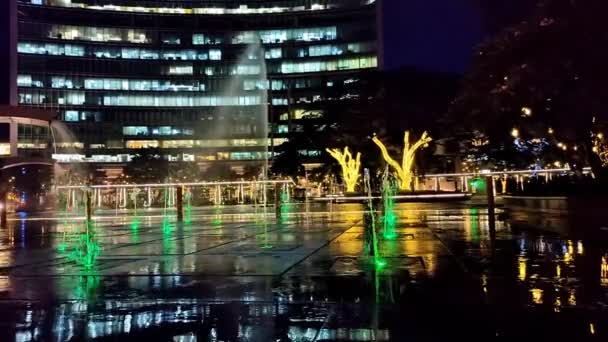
(377, 260)
(86, 249)
(165, 221)
(389, 218)
(135, 221)
(249, 117)
(188, 210)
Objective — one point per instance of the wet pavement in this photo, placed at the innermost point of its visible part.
(230, 275)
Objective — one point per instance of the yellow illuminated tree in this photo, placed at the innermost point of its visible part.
(600, 147)
(350, 166)
(404, 170)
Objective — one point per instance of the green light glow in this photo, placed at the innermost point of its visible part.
(389, 218)
(166, 224)
(285, 205)
(218, 216)
(135, 223)
(376, 254)
(86, 249)
(188, 211)
(86, 287)
(477, 185)
(380, 263)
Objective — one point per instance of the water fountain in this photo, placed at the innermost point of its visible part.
(377, 260)
(166, 225)
(389, 218)
(135, 221)
(86, 249)
(284, 204)
(188, 210)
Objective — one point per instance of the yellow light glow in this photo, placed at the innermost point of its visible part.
(522, 268)
(515, 133)
(537, 296)
(405, 169)
(604, 272)
(350, 166)
(550, 130)
(572, 297)
(526, 111)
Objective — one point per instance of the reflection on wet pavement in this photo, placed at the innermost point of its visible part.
(235, 277)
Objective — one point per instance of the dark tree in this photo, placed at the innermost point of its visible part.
(219, 172)
(185, 171)
(147, 167)
(538, 88)
(290, 162)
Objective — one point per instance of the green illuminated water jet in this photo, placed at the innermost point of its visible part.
(285, 205)
(166, 225)
(86, 248)
(389, 218)
(188, 210)
(378, 261)
(135, 222)
(86, 287)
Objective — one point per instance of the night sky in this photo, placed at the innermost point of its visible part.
(441, 35)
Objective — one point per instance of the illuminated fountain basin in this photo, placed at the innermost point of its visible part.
(211, 278)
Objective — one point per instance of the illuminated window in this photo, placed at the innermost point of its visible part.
(181, 70)
(255, 84)
(180, 101)
(177, 143)
(206, 157)
(280, 141)
(202, 39)
(170, 39)
(24, 80)
(245, 70)
(5, 149)
(135, 130)
(318, 66)
(282, 129)
(273, 53)
(98, 34)
(215, 55)
(137, 144)
(71, 115)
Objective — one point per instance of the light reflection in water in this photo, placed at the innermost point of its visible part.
(523, 267)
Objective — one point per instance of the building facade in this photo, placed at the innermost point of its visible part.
(195, 80)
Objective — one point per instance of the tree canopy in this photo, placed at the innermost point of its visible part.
(537, 90)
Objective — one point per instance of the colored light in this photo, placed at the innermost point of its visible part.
(350, 166)
(515, 133)
(405, 170)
